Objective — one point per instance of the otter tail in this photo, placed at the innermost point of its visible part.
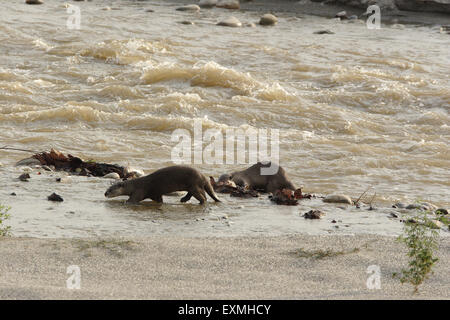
(209, 190)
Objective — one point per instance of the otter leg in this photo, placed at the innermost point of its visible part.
(135, 197)
(187, 197)
(199, 195)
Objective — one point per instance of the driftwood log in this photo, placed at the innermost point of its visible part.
(62, 162)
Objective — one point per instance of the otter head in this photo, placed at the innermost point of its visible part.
(224, 178)
(115, 190)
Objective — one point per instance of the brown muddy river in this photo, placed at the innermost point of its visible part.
(357, 109)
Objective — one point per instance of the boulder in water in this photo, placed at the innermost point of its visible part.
(230, 22)
(207, 3)
(313, 214)
(268, 20)
(338, 198)
(228, 4)
(189, 7)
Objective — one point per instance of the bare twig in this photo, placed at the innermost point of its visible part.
(17, 149)
(356, 202)
(371, 200)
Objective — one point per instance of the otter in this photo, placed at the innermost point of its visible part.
(255, 178)
(164, 181)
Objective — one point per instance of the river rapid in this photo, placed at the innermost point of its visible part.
(356, 109)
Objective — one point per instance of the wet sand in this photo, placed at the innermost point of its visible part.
(212, 268)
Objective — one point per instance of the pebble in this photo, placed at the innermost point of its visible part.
(228, 4)
(55, 197)
(445, 29)
(313, 214)
(46, 168)
(34, 2)
(441, 211)
(435, 224)
(230, 22)
(341, 15)
(139, 172)
(189, 7)
(338, 198)
(24, 177)
(324, 32)
(13, 194)
(207, 3)
(421, 206)
(149, 10)
(187, 22)
(268, 20)
(112, 175)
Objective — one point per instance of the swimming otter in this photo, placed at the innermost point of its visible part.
(254, 178)
(164, 181)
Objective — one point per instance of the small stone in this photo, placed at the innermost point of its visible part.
(34, 2)
(112, 175)
(230, 22)
(399, 205)
(333, 221)
(393, 215)
(445, 29)
(324, 32)
(341, 15)
(189, 7)
(149, 10)
(187, 22)
(134, 172)
(424, 206)
(46, 168)
(55, 197)
(228, 4)
(441, 211)
(313, 214)
(268, 20)
(207, 3)
(13, 194)
(250, 25)
(434, 224)
(338, 198)
(24, 177)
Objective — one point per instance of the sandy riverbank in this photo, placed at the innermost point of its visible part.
(211, 268)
